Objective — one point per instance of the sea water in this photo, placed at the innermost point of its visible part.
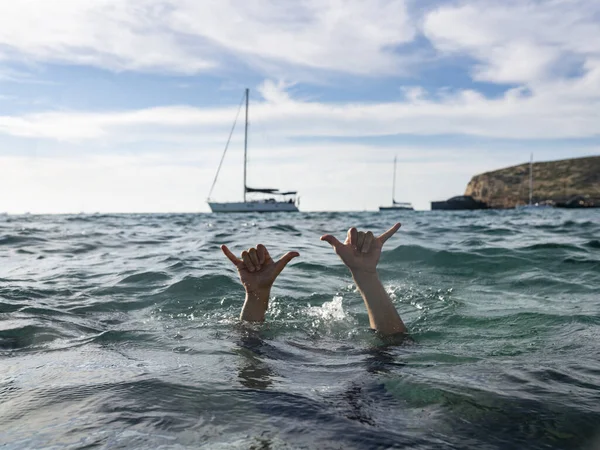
(122, 331)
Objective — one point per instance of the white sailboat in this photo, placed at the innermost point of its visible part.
(283, 201)
(396, 206)
(531, 204)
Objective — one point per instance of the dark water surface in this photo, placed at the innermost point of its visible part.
(121, 331)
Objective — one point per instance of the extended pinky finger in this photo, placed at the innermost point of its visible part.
(389, 233)
(230, 255)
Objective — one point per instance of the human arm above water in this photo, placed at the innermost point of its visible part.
(360, 252)
(257, 272)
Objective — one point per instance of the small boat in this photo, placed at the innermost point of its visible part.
(459, 203)
(531, 204)
(278, 201)
(396, 206)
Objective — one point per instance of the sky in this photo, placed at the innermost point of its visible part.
(126, 105)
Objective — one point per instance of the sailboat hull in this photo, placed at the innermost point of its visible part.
(396, 208)
(250, 207)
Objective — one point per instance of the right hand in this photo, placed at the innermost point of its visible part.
(256, 268)
(361, 250)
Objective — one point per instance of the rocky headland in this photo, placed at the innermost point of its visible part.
(554, 182)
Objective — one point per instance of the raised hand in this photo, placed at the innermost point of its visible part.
(361, 250)
(257, 272)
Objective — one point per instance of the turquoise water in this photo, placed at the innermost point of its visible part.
(121, 331)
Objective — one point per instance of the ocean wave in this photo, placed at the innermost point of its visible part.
(196, 294)
(594, 243)
(26, 335)
(145, 277)
(483, 258)
(191, 285)
(6, 308)
(553, 246)
(590, 262)
(90, 217)
(567, 225)
(312, 267)
(16, 240)
(285, 228)
(525, 322)
(546, 282)
(129, 336)
(29, 293)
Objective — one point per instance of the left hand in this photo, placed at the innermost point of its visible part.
(256, 268)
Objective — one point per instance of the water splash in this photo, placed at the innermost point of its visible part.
(329, 311)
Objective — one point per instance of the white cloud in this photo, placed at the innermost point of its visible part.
(114, 34)
(350, 36)
(511, 41)
(187, 36)
(517, 114)
(517, 42)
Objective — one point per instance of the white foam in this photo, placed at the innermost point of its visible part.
(329, 311)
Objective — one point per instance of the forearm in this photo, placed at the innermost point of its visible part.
(383, 316)
(255, 306)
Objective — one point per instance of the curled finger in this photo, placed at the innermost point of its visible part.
(247, 261)
(352, 236)
(254, 257)
(360, 239)
(260, 251)
(369, 238)
(263, 254)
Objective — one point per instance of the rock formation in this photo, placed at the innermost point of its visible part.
(553, 182)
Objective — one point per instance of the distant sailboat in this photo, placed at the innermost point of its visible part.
(531, 204)
(396, 206)
(286, 201)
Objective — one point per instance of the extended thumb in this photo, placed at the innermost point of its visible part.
(284, 260)
(331, 240)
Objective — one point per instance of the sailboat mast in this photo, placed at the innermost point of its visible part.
(394, 183)
(531, 180)
(246, 142)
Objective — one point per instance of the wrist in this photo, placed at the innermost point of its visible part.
(255, 305)
(258, 295)
(360, 275)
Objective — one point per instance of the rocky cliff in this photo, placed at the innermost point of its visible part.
(553, 181)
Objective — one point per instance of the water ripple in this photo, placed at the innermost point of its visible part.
(123, 331)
